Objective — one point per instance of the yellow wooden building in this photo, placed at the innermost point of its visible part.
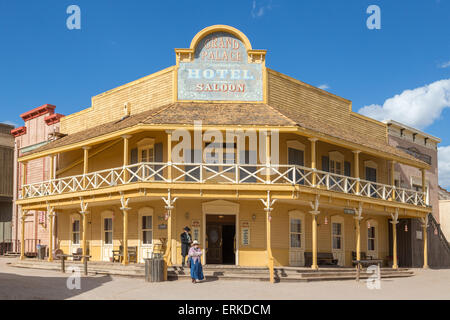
(322, 182)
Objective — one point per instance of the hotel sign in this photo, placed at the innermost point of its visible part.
(220, 71)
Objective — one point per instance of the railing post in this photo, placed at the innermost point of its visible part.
(328, 181)
(169, 155)
(201, 172)
(345, 185)
(294, 175)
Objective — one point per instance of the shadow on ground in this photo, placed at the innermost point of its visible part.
(20, 287)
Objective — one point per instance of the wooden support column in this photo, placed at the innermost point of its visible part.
(52, 172)
(84, 213)
(125, 209)
(425, 242)
(22, 235)
(392, 179)
(315, 212)
(356, 170)
(394, 223)
(169, 201)
(268, 204)
(268, 160)
(169, 155)
(24, 177)
(85, 164)
(358, 217)
(126, 157)
(313, 160)
(50, 213)
(424, 186)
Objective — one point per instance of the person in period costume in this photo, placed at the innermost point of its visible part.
(186, 240)
(195, 259)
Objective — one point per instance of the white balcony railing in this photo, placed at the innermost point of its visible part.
(223, 174)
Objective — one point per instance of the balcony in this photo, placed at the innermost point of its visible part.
(223, 174)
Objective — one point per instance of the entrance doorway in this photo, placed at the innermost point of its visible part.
(221, 239)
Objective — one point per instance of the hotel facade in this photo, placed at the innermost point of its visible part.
(266, 170)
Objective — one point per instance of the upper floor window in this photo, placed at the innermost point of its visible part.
(336, 162)
(146, 150)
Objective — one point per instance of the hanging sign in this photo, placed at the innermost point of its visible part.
(220, 71)
(245, 233)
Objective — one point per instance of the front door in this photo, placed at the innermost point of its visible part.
(337, 239)
(107, 237)
(214, 236)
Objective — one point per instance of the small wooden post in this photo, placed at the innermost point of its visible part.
(394, 245)
(358, 240)
(126, 157)
(392, 180)
(425, 243)
(424, 186)
(356, 170)
(52, 173)
(24, 177)
(22, 239)
(169, 155)
(85, 165)
(50, 212)
(268, 153)
(314, 265)
(125, 209)
(313, 160)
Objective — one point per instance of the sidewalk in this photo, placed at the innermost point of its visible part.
(17, 283)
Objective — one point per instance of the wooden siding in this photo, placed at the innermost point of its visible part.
(144, 94)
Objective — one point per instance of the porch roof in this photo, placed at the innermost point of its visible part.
(231, 114)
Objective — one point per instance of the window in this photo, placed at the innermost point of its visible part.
(147, 154)
(76, 232)
(337, 235)
(336, 162)
(371, 239)
(108, 230)
(296, 233)
(147, 233)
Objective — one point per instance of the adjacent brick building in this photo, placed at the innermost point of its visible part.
(41, 125)
(6, 185)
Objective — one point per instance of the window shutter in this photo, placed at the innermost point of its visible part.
(347, 169)
(158, 158)
(325, 164)
(134, 156)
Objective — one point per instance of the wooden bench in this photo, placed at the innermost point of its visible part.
(323, 258)
(132, 254)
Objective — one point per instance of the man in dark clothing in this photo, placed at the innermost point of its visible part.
(186, 240)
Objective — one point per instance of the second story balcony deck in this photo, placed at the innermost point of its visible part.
(219, 175)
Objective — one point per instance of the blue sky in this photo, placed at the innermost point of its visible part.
(323, 43)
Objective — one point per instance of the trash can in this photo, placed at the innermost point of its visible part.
(41, 250)
(154, 270)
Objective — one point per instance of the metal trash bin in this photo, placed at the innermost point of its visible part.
(154, 270)
(41, 251)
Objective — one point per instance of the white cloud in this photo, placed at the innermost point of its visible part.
(418, 107)
(445, 65)
(324, 86)
(444, 166)
(259, 8)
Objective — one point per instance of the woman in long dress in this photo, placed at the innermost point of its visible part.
(195, 254)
